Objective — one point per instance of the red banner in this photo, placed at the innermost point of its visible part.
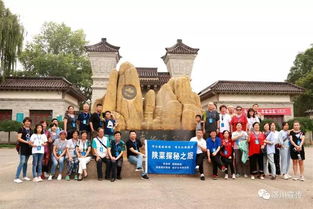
(274, 111)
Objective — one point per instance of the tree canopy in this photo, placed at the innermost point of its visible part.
(58, 51)
(11, 40)
(301, 74)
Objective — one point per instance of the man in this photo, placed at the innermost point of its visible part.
(213, 151)
(83, 120)
(211, 118)
(133, 153)
(24, 149)
(201, 150)
(240, 117)
(258, 114)
(109, 125)
(199, 123)
(224, 120)
(99, 146)
(116, 149)
(96, 121)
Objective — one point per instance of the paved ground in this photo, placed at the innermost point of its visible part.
(159, 192)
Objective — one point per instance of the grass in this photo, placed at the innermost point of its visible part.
(7, 146)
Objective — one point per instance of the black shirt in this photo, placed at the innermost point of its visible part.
(296, 137)
(95, 120)
(71, 122)
(25, 149)
(136, 145)
(83, 119)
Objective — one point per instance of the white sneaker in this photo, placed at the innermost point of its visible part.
(262, 177)
(35, 179)
(197, 168)
(285, 177)
(18, 181)
(39, 179)
(252, 177)
(301, 178)
(226, 176)
(46, 174)
(295, 178)
(26, 178)
(59, 177)
(246, 176)
(288, 176)
(50, 178)
(234, 176)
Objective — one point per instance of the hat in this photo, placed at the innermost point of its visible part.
(63, 132)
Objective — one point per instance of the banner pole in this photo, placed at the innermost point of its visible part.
(146, 153)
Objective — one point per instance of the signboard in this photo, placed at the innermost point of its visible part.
(274, 111)
(171, 157)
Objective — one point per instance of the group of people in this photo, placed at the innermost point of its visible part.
(84, 137)
(236, 142)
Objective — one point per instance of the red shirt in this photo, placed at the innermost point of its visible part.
(226, 148)
(256, 141)
(242, 119)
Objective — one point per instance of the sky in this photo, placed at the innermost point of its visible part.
(238, 39)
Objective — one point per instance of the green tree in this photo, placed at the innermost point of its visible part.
(58, 51)
(11, 40)
(301, 74)
(9, 126)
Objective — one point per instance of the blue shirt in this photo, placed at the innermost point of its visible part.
(109, 126)
(213, 145)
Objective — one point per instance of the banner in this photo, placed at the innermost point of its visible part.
(273, 111)
(170, 157)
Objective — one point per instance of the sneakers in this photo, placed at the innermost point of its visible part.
(262, 177)
(295, 178)
(18, 181)
(252, 177)
(119, 178)
(26, 178)
(67, 178)
(301, 178)
(145, 176)
(273, 178)
(35, 179)
(237, 175)
(224, 168)
(46, 174)
(246, 176)
(59, 177)
(75, 177)
(226, 176)
(202, 178)
(214, 177)
(50, 178)
(233, 176)
(39, 179)
(138, 169)
(197, 168)
(285, 176)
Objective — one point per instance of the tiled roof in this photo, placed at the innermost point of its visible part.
(41, 84)
(151, 76)
(103, 46)
(180, 48)
(250, 87)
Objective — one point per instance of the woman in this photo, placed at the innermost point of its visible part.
(71, 156)
(256, 143)
(47, 153)
(271, 141)
(251, 119)
(70, 121)
(283, 138)
(24, 149)
(58, 155)
(38, 141)
(238, 136)
(297, 150)
(227, 153)
(83, 149)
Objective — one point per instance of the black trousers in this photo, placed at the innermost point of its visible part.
(216, 162)
(199, 160)
(228, 163)
(107, 170)
(256, 164)
(116, 167)
(277, 160)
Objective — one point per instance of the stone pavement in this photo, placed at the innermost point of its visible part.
(161, 191)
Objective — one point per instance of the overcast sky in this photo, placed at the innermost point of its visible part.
(238, 39)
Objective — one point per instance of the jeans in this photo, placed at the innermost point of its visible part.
(270, 160)
(37, 163)
(256, 164)
(56, 162)
(285, 160)
(228, 163)
(199, 161)
(83, 164)
(137, 160)
(107, 170)
(117, 167)
(22, 164)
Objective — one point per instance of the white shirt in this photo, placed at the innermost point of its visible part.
(224, 122)
(251, 121)
(200, 142)
(38, 140)
(100, 149)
